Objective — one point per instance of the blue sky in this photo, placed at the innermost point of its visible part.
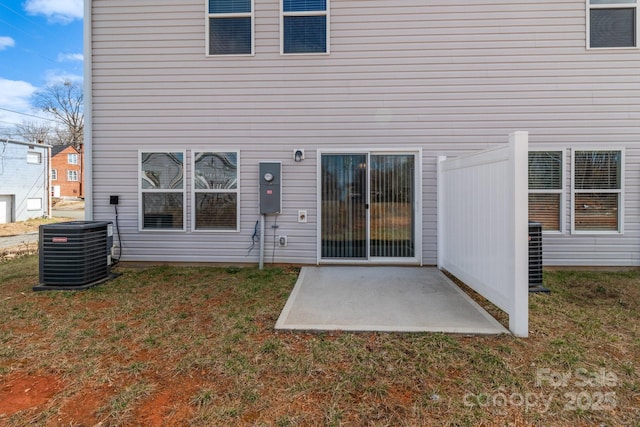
(40, 44)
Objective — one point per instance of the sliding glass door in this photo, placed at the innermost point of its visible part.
(367, 206)
(343, 204)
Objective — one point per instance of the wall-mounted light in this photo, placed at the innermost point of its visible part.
(298, 155)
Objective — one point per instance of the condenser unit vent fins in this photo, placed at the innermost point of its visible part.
(535, 258)
(75, 255)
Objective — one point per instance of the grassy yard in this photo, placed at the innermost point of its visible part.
(196, 346)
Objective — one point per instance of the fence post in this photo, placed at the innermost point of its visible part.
(519, 313)
(441, 213)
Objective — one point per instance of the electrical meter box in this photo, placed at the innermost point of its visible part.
(270, 187)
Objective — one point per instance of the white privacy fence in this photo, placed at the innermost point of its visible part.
(483, 225)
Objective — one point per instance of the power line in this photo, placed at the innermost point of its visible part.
(31, 115)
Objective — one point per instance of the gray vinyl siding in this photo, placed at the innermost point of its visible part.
(444, 76)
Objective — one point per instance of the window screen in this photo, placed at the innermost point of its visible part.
(545, 188)
(597, 184)
(612, 23)
(305, 26)
(230, 27)
(215, 184)
(162, 188)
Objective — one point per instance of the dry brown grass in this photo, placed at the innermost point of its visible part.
(196, 346)
(28, 226)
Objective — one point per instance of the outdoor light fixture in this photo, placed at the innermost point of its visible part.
(298, 155)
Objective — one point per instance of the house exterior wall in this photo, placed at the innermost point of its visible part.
(443, 77)
(23, 180)
(60, 163)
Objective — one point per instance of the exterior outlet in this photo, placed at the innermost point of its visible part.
(302, 216)
(282, 240)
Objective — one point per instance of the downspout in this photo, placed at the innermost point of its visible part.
(88, 113)
(48, 186)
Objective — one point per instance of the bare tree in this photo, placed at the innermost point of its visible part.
(65, 102)
(33, 131)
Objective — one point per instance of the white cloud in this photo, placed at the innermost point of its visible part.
(63, 11)
(60, 76)
(6, 42)
(67, 57)
(15, 96)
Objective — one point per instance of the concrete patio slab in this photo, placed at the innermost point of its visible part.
(391, 299)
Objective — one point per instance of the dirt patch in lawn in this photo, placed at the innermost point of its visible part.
(20, 391)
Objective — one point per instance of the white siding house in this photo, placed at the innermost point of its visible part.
(24, 180)
(185, 99)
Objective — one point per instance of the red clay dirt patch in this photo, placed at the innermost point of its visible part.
(82, 408)
(169, 406)
(21, 391)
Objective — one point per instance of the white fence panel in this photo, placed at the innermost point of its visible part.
(483, 225)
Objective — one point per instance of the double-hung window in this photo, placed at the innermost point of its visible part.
(72, 159)
(230, 27)
(613, 23)
(215, 191)
(304, 26)
(162, 190)
(597, 190)
(54, 174)
(546, 188)
(72, 175)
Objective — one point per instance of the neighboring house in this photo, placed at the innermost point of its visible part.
(186, 98)
(66, 171)
(24, 180)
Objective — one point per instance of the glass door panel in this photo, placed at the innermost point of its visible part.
(392, 205)
(343, 204)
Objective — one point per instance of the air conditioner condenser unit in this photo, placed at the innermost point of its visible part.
(74, 255)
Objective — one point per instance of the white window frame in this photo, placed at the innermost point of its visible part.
(620, 5)
(182, 190)
(325, 12)
(194, 191)
(72, 158)
(417, 209)
(620, 191)
(54, 174)
(73, 175)
(34, 204)
(209, 16)
(561, 191)
(34, 157)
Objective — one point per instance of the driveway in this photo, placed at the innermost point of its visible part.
(76, 215)
(72, 209)
(19, 240)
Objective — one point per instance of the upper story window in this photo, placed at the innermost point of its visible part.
(34, 157)
(597, 190)
(230, 27)
(72, 159)
(54, 174)
(304, 26)
(613, 23)
(72, 175)
(545, 189)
